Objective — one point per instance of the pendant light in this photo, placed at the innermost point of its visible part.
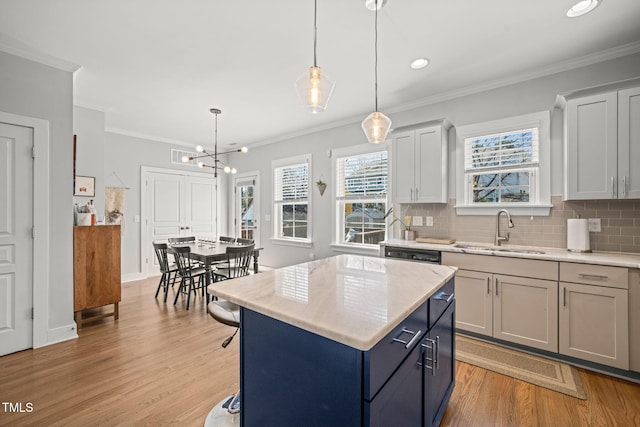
(376, 126)
(315, 86)
(217, 163)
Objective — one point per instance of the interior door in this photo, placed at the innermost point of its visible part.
(16, 244)
(247, 207)
(178, 204)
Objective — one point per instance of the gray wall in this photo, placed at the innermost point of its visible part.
(35, 90)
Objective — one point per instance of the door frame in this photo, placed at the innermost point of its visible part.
(144, 209)
(41, 203)
(256, 203)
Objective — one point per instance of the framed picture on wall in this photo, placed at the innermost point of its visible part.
(85, 186)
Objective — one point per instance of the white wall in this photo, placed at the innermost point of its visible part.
(512, 100)
(31, 89)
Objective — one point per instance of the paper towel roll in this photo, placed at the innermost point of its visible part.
(578, 235)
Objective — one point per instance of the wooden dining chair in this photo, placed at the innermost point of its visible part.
(239, 260)
(168, 269)
(192, 274)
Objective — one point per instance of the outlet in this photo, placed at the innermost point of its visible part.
(417, 221)
(429, 221)
(594, 225)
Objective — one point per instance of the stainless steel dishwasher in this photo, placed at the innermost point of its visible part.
(413, 254)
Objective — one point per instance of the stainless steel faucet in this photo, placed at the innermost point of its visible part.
(499, 239)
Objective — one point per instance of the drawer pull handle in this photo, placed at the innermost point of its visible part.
(431, 359)
(488, 286)
(444, 297)
(593, 276)
(416, 335)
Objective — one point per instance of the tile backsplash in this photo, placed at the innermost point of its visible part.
(620, 224)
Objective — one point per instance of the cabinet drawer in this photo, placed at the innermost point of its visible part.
(589, 274)
(534, 268)
(439, 302)
(383, 359)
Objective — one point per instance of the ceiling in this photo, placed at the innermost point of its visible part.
(156, 67)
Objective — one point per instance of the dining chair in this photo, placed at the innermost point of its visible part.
(190, 271)
(239, 259)
(244, 241)
(182, 239)
(169, 270)
(226, 239)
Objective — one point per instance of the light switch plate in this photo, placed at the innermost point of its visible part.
(594, 225)
(417, 221)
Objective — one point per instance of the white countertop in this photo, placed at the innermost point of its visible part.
(352, 299)
(552, 254)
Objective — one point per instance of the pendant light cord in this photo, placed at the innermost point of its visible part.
(315, 31)
(376, 56)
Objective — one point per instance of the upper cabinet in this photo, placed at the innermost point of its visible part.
(602, 141)
(419, 168)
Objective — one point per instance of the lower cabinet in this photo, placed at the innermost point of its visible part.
(516, 309)
(594, 324)
(438, 369)
(289, 376)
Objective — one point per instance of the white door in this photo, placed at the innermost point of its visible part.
(177, 204)
(247, 207)
(16, 244)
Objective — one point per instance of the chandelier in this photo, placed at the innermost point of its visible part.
(217, 163)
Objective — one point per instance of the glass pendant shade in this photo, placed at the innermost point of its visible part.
(376, 127)
(315, 89)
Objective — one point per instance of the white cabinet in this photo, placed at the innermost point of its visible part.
(419, 164)
(594, 318)
(492, 301)
(602, 142)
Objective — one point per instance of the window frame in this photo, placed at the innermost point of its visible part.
(338, 244)
(277, 238)
(540, 188)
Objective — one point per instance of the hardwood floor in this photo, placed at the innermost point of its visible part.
(163, 365)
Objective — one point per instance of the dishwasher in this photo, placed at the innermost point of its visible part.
(413, 254)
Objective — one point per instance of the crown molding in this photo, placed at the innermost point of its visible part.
(17, 48)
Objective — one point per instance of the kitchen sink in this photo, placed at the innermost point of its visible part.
(497, 249)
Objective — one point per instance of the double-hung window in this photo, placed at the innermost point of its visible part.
(361, 177)
(291, 199)
(505, 164)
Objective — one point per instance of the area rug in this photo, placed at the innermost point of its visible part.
(536, 370)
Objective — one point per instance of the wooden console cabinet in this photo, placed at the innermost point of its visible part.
(96, 269)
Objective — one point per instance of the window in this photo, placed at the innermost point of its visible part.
(501, 168)
(291, 199)
(505, 163)
(361, 196)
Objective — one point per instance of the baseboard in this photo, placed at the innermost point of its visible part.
(132, 277)
(63, 333)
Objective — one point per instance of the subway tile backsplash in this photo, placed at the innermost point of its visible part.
(620, 224)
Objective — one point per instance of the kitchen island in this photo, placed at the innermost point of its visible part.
(347, 340)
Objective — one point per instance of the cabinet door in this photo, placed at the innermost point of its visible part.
(591, 147)
(594, 324)
(525, 311)
(399, 402)
(403, 180)
(439, 373)
(629, 143)
(474, 299)
(431, 165)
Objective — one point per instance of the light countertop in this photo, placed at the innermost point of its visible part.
(352, 299)
(551, 254)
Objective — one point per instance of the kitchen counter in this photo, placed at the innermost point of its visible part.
(552, 254)
(351, 299)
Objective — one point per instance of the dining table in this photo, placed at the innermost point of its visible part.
(211, 252)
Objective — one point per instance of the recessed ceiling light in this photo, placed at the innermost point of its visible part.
(371, 4)
(416, 64)
(582, 7)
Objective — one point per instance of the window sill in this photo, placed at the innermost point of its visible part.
(291, 242)
(514, 209)
(374, 250)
